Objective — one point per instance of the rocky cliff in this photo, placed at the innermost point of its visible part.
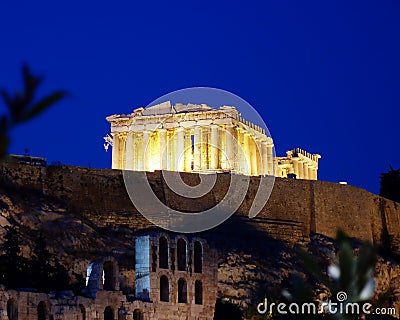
(86, 213)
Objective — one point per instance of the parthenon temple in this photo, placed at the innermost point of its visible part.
(199, 138)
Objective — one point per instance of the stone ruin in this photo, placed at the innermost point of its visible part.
(175, 278)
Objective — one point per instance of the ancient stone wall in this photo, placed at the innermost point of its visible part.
(295, 208)
(198, 302)
(190, 293)
(106, 306)
(23, 305)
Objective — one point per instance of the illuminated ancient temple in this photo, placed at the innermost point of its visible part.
(198, 138)
(300, 163)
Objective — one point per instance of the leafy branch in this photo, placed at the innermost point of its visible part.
(352, 275)
(22, 106)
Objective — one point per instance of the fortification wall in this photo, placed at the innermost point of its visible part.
(295, 208)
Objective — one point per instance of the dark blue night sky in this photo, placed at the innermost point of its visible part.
(324, 75)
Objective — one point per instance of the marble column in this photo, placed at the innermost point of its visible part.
(270, 157)
(122, 150)
(222, 140)
(301, 165)
(235, 150)
(253, 156)
(204, 148)
(296, 167)
(179, 147)
(229, 141)
(129, 151)
(305, 170)
(134, 151)
(115, 151)
(314, 173)
(154, 152)
(214, 147)
(171, 149)
(259, 156)
(240, 151)
(139, 149)
(247, 152)
(197, 148)
(188, 150)
(145, 150)
(310, 173)
(264, 157)
(163, 149)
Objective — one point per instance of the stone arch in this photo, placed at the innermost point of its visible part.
(198, 257)
(164, 288)
(122, 313)
(102, 274)
(108, 313)
(198, 292)
(163, 252)
(83, 312)
(43, 311)
(12, 309)
(137, 314)
(181, 251)
(182, 291)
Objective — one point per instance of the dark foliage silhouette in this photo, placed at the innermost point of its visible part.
(23, 106)
(390, 185)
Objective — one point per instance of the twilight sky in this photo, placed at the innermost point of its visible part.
(325, 76)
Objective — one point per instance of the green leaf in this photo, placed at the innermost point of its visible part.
(43, 104)
(341, 237)
(366, 261)
(347, 265)
(301, 290)
(312, 266)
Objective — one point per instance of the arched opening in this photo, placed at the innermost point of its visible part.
(89, 272)
(12, 309)
(137, 315)
(109, 281)
(122, 313)
(43, 311)
(83, 312)
(164, 289)
(198, 292)
(108, 313)
(182, 291)
(163, 253)
(198, 257)
(181, 252)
